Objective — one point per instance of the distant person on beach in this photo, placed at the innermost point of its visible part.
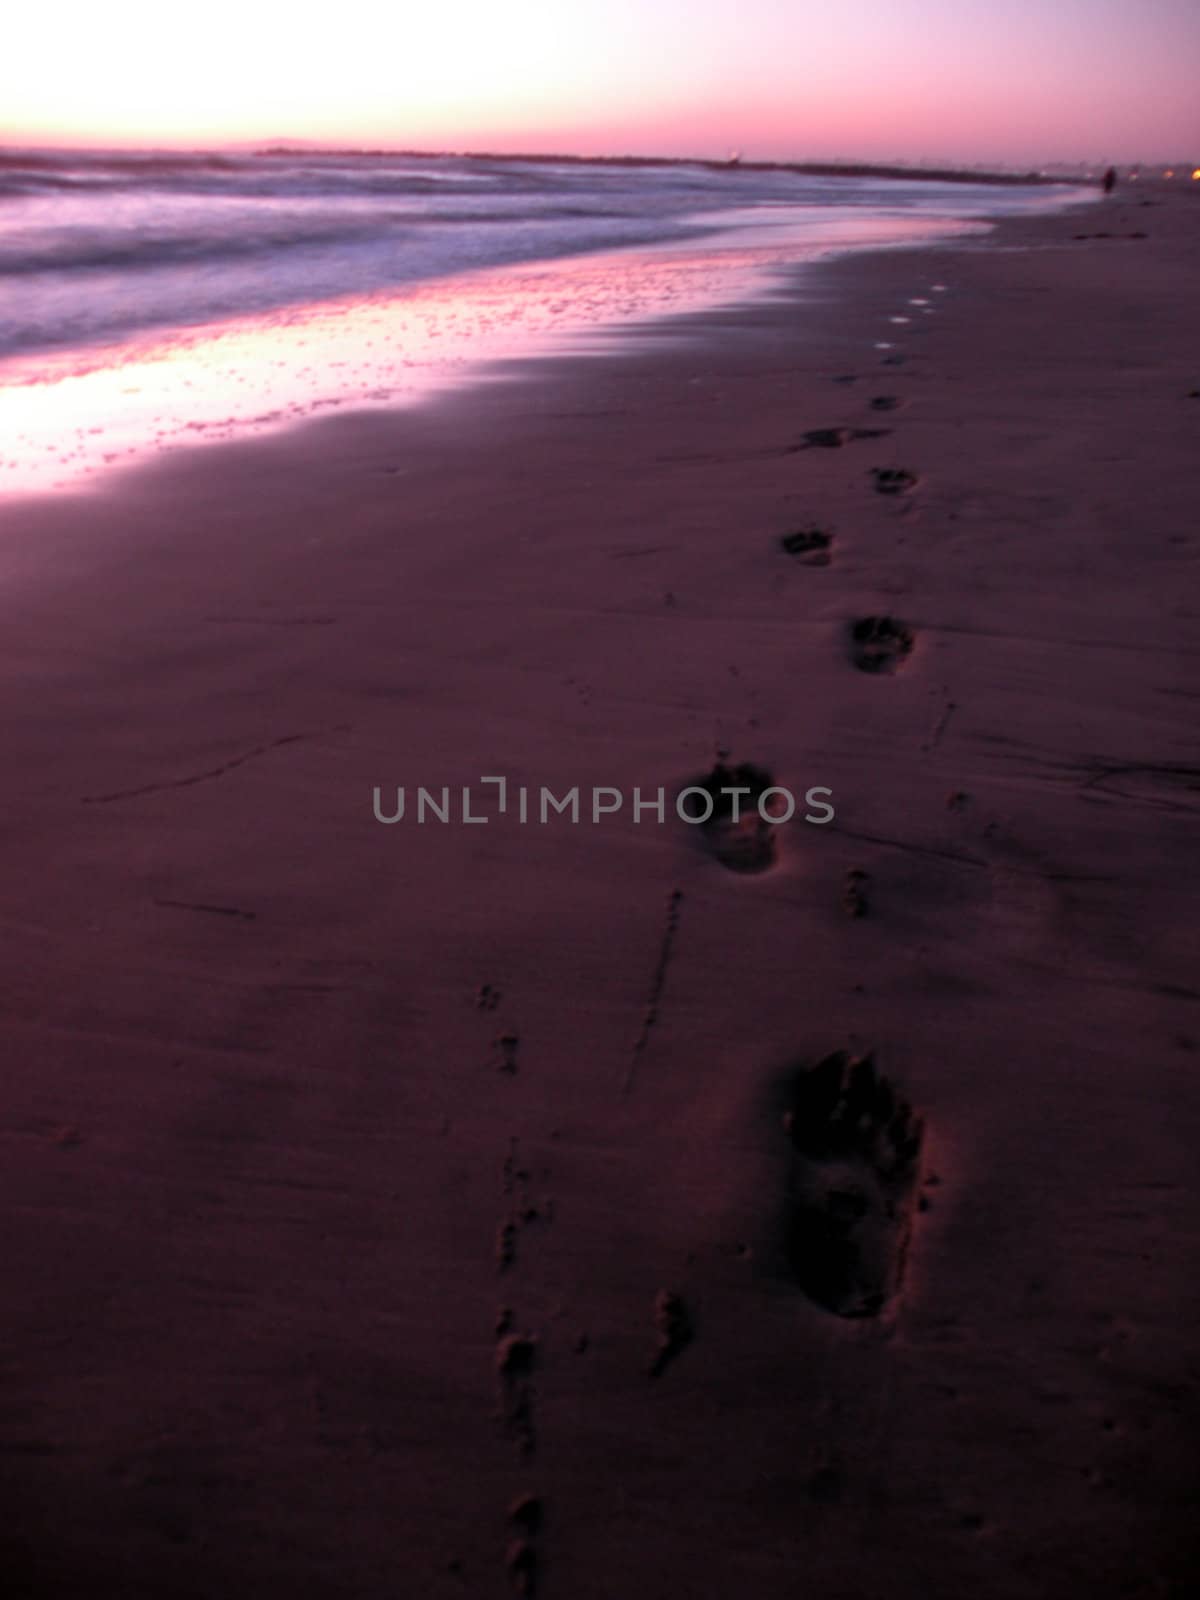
(1110, 180)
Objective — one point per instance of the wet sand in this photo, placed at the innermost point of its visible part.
(360, 1180)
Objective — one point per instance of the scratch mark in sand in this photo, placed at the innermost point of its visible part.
(913, 849)
(219, 911)
(943, 721)
(1010, 636)
(1189, 776)
(971, 861)
(657, 985)
(196, 777)
(278, 622)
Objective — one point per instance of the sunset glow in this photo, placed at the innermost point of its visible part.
(771, 78)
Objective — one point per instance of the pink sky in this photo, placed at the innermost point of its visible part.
(1023, 82)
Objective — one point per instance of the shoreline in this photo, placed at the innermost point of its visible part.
(73, 413)
(307, 1118)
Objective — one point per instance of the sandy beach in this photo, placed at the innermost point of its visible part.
(412, 1210)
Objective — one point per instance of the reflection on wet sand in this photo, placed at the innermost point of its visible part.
(67, 417)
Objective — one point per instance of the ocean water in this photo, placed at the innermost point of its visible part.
(147, 299)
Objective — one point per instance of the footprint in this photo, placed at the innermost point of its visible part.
(856, 1159)
(893, 480)
(835, 438)
(812, 544)
(885, 402)
(735, 830)
(879, 644)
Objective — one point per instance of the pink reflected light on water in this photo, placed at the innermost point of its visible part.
(67, 418)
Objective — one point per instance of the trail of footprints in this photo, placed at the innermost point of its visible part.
(876, 644)
(515, 1364)
(517, 1349)
(854, 1143)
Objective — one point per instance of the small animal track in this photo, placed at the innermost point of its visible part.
(673, 1325)
(880, 644)
(856, 1149)
(894, 480)
(516, 1358)
(506, 1046)
(521, 1557)
(520, 1562)
(525, 1514)
(854, 894)
(812, 545)
(523, 1210)
(515, 1355)
(735, 829)
(506, 1245)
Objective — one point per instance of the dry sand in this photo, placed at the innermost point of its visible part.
(356, 1178)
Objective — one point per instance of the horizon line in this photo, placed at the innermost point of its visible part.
(931, 169)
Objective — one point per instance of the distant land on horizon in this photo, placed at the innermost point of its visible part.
(813, 169)
(1048, 173)
(1051, 173)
